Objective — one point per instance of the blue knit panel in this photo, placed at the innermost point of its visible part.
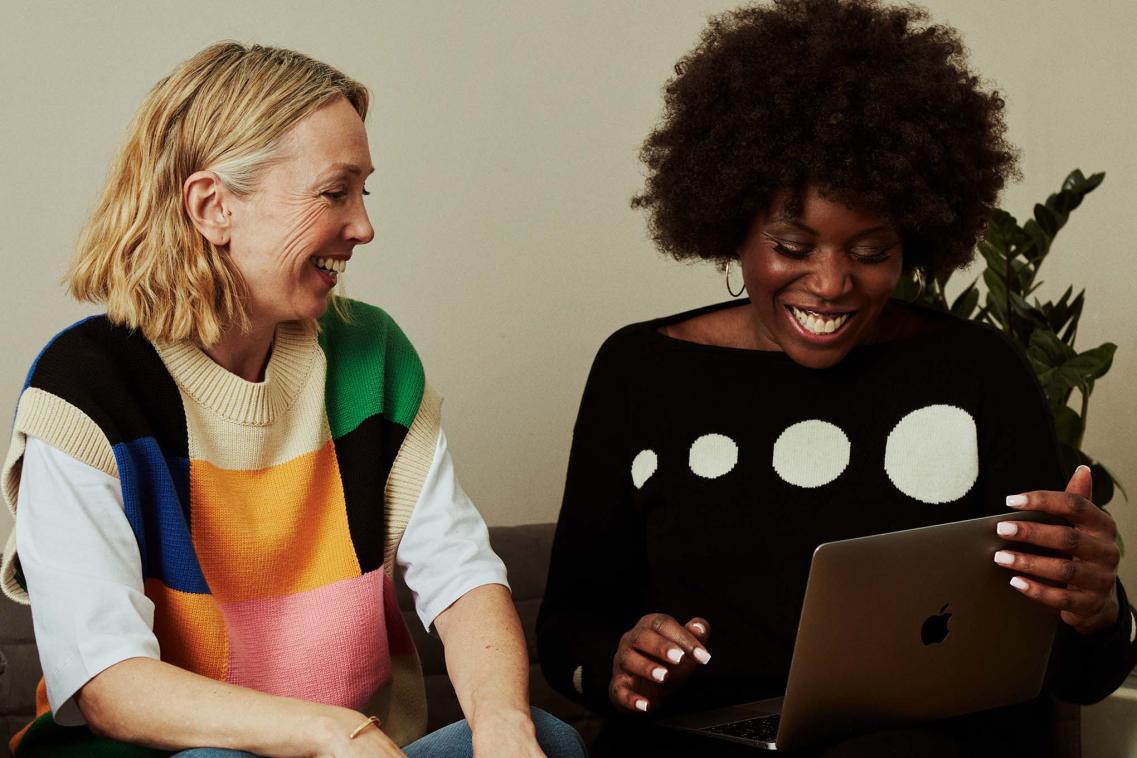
(155, 494)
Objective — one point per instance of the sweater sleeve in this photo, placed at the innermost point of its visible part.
(1019, 453)
(597, 571)
(84, 574)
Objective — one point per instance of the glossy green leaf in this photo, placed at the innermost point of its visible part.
(966, 302)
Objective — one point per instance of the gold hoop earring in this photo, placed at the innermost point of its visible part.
(728, 287)
(919, 280)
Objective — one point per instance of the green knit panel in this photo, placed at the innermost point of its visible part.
(367, 350)
(46, 739)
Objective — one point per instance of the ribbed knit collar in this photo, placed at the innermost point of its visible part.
(294, 349)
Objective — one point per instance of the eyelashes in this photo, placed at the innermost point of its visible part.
(338, 195)
(801, 253)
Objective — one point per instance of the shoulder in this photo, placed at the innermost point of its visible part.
(372, 366)
(353, 330)
(96, 362)
(710, 324)
(91, 345)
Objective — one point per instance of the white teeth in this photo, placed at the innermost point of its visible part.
(330, 265)
(818, 324)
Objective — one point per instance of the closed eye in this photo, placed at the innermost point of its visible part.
(792, 252)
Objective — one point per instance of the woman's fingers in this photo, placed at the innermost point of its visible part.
(1078, 510)
(631, 692)
(1082, 574)
(658, 653)
(668, 640)
(631, 661)
(1067, 539)
(699, 627)
(1080, 603)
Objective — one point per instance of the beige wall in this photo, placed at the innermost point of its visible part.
(505, 135)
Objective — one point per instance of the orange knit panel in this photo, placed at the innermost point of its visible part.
(190, 630)
(273, 531)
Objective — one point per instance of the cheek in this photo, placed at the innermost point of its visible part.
(767, 274)
(305, 230)
(880, 284)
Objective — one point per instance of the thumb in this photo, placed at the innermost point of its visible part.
(1081, 483)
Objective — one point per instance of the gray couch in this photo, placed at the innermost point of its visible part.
(525, 550)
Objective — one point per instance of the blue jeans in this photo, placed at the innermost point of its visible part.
(556, 738)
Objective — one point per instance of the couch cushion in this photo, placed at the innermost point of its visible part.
(19, 670)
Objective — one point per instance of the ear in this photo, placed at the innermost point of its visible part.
(203, 196)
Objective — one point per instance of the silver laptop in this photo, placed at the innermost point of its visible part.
(900, 627)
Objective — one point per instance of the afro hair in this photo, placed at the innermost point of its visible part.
(868, 103)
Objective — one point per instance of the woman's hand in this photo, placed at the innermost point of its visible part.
(335, 740)
(1087, 573)
(505, 733)
(655, 658)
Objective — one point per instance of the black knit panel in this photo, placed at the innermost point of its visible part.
(115, 377)
(365, 456)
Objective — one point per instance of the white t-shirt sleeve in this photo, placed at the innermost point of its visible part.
(445, 551)
(83, 572)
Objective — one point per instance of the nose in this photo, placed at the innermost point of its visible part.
(359, 228)
(830, 277)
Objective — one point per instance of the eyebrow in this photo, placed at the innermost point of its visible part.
(349, 168)
(787, 218)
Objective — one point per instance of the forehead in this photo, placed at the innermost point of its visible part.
(331, 139)
(813, 209)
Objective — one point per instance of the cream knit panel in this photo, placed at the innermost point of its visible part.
(408, 472)
(63, 426)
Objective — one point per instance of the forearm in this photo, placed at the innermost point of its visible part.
(148, 702)
(486, 654)
(1086, 668)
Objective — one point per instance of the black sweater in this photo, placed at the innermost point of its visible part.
(701, 479)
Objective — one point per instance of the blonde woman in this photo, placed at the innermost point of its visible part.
(216, 480)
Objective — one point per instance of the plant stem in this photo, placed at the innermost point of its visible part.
(1085, 411)
(1007, 287)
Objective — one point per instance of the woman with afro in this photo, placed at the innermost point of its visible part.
(819, 151)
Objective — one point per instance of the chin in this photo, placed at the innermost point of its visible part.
(817, 358)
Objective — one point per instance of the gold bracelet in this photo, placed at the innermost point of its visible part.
(360, 729)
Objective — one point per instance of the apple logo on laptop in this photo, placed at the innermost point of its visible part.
(935, 628)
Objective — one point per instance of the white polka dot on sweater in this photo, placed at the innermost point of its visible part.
(643, 466)
(932, 454)
(811, 453)
(712, 455)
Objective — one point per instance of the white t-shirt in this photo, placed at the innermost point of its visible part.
(84, 572)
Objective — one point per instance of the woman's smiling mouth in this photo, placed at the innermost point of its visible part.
(817, 323)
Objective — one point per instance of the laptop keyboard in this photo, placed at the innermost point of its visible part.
(760, 729)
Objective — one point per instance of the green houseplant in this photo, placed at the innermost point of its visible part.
(1044, 332)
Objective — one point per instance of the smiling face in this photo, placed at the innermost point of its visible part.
(818, 279)
(292, 237)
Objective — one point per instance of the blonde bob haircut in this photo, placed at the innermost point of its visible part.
(224, 110)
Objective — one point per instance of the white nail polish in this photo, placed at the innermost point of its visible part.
(1019, 583)
(699, 628)
(1003, 558)
(675, 655)
(1016, 501)
(641, 705)
(702, 656)
(659, 673)
(1007, 529)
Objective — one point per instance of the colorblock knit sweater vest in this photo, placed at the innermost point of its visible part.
(257, 507)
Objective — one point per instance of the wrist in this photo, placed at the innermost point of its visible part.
(498, 715)
(1105, 619)
(328, 728)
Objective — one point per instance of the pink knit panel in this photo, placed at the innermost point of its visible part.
(326, 645)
